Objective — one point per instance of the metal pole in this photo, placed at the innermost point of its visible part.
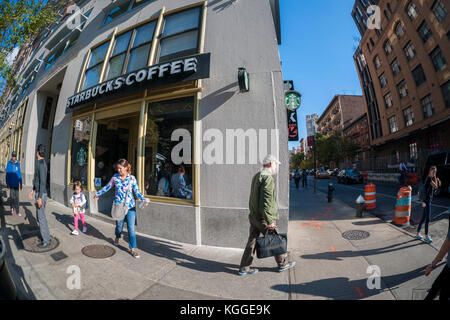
(314, 144)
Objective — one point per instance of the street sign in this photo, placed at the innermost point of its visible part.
(310, 141)
(292, 125)
(293, 100)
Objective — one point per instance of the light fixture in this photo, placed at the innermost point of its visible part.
(243, 80)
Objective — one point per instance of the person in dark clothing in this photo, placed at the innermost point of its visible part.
(304, 178)
(442, 283)
(297, 178)
(432, 183)
(40, 194)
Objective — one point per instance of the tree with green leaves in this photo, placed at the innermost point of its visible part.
(297, 159)
(334, 148)
(20, 22)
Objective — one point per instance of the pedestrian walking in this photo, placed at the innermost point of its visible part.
(40, 195)
(78, 202)
(263, 214)
(123, 182)
(432, 183)
(442, 283)
(297, 178)
(304, 178)
(403, 173)
(14, 183)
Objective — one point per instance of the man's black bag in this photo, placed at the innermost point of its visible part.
(272, 244)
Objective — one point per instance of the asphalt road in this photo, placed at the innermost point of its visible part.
(385, 197)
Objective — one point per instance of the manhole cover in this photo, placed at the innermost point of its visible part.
(31, 241)
(355, 235)
(98, 251)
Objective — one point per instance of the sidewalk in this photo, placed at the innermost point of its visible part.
(328, 266)
(332, 267)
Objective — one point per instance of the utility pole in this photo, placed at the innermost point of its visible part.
(315, 167)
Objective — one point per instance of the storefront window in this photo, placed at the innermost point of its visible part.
(79, 152)
(164, 175)
(180, 35)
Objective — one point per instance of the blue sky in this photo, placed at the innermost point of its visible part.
(318, 38)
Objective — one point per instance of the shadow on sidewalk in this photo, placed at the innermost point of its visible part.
(343, 288)
(24, 291)
(339, 255)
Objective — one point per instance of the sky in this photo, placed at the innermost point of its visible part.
(318, 40)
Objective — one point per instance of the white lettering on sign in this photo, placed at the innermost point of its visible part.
(187, 65)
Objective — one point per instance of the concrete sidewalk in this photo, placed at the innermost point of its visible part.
(332, 267)
(328, 266)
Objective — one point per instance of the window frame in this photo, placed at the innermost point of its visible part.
(423, 77)
(442, 8)
(446, 97)
(430, 102)
(405, 86)
(408, 10)
(393, 64)
(391, 129)
(437, 53)
(409, 121)
(387, 44)
(409, 47)
(428, 35)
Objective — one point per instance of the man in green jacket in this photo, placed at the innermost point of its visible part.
(263, 214)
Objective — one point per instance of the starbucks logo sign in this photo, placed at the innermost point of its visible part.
(293, 100)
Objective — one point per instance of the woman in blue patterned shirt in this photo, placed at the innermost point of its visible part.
(122, 181)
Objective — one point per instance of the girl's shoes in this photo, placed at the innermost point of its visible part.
(428, 240)
(75, 232)
(84, 229)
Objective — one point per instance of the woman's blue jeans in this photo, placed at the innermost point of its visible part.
(131, 221)
(426, 217)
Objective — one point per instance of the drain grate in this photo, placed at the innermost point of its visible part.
(58, 256)
(98, 251)
(355, 235)
(31, 241)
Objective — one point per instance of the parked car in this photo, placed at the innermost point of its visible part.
(350, 176)
(335, 172)
(442, 162)
(330, 171)
(322, 174)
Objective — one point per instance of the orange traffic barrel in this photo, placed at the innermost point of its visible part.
(370, 196)
(403, 207)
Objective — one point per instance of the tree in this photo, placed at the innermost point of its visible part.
(20, 22)
(297, 159)
(334, 148)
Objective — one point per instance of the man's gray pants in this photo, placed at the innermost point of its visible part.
(14, 198)
(43, 226)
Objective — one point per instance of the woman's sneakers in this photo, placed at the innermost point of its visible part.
(419, 237)
(428, 240)
(249, 271)
(135, 254)
(75, 232)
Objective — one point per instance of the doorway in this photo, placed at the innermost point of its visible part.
(117, 138)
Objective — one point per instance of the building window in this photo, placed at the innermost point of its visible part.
(393, 124)
(433, 142)
(117, 11)
(131, 50)
(413, 149)
(439, 10)
(94, 69)
(79, 150)
(137, 3)
(438, 59)
(419, 75)
(410, 51)
(446, 93)
(402, 89)
(388, 100)
(395, 67)
(383, 80)
(408, 115)
(180, 35)
(400, 30)
(412, 11)
(377, 62)
(427, 106)
(388, 47)
(424, 31)
(163, 119)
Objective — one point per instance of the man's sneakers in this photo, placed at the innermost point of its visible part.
(248, 272)
(287, 266)
(43, 245)
(75, 232)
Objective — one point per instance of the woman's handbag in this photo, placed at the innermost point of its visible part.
(120, 210)
(272, 244)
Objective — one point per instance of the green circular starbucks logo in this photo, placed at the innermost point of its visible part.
(293, 100)
(81, 157)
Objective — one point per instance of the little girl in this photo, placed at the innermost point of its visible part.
(78, 202)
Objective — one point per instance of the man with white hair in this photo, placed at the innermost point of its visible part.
(263, 214)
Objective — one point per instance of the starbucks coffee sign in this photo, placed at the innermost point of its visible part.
(185, 69)
(293, 100)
